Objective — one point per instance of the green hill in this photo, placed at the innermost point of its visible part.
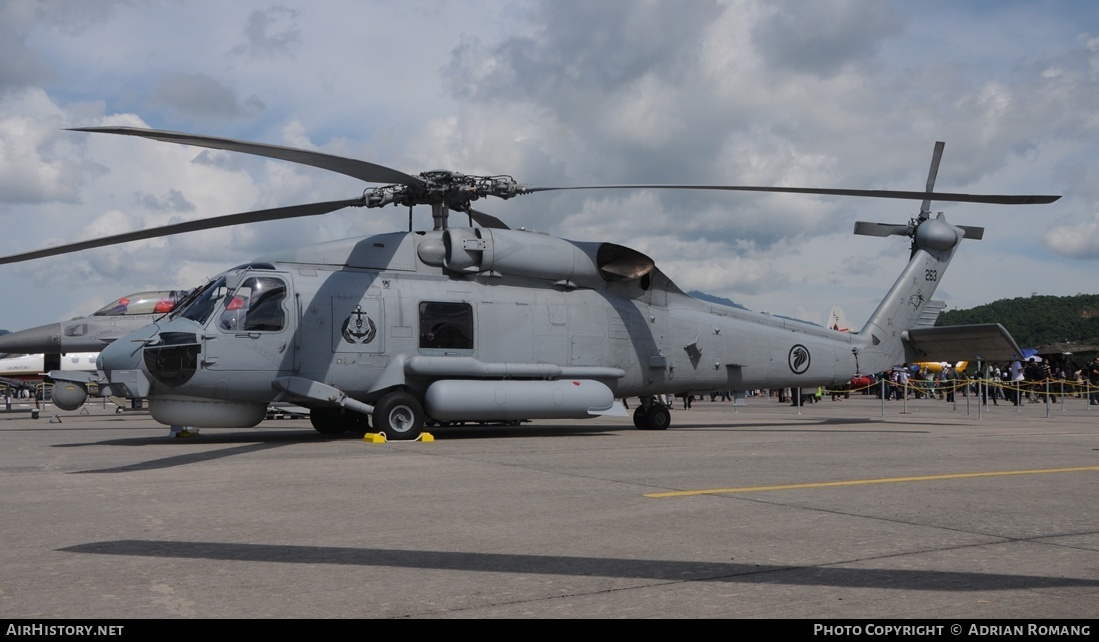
(1051, 322)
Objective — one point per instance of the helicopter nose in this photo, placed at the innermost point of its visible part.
(171, 358)
(166, 353)
(123, 353)
(45, 338)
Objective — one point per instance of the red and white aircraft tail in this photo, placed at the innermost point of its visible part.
(837, 320)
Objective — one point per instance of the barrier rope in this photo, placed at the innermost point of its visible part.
(1057, 387)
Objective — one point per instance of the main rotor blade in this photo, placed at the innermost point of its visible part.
(998, 199)
(361, 170)
(487, 220)
(294, 211)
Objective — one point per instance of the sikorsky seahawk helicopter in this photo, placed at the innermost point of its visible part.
(487, 323)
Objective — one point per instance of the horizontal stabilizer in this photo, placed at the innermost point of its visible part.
(977, 342)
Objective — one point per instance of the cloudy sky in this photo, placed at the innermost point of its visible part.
(827, 93)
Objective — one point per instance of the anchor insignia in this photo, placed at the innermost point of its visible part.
(358, 327)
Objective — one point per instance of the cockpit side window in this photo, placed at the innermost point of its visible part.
(255, 306)
(446, 325)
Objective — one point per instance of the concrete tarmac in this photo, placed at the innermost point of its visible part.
(851, 509)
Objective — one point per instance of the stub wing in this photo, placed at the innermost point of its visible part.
(984, 342)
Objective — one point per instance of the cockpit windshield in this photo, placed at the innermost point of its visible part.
(201, 304)
(155, 302)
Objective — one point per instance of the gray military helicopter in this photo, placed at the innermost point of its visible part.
(488, 323)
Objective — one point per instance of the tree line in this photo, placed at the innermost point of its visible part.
(1037, 320)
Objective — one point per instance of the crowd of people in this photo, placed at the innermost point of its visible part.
(1012, 382)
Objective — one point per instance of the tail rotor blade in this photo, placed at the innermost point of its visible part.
(880, 229)
(936, 158)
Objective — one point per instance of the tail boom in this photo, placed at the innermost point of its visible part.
(908, 301)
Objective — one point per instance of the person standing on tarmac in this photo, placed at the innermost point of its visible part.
(1091, 375)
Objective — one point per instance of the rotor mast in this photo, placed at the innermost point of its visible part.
(440, 213)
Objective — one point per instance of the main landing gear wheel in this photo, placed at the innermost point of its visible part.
(327, 421)
(655, 417)
(356, 423)
(399, 416)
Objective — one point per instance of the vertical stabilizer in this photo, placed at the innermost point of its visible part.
(837, 320)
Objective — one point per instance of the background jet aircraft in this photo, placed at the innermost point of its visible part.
(837, 320)
(93, 332)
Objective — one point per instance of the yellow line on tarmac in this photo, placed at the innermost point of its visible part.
(860, 482)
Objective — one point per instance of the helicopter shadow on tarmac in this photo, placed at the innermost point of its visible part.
(653, 569)
(197, 449)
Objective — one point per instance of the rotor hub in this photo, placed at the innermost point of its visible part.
(936, 235)
(454, 190)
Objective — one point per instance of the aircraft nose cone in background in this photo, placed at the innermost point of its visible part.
(44, 338)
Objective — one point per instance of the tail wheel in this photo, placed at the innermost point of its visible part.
(655, 417)
(399, 416)
(659, 417)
